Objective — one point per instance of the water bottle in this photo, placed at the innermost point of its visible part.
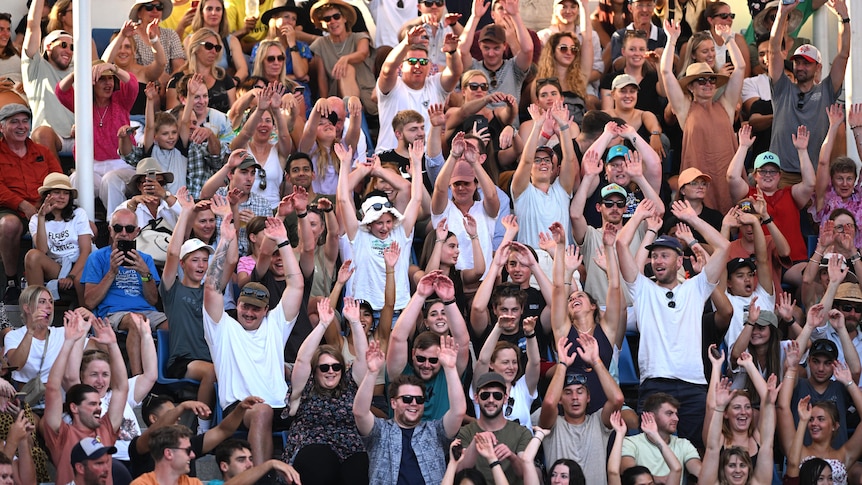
(252, 8)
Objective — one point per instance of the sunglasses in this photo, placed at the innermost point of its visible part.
(640, 34)
(329, 18)
(423, 61)
(67, 45)
(575, 379)
(262, 174)
(822, 347)
(210, 46)
(547, 80)
(800, 100)
(610, 203)
(130, 228)
(255, 293)
(379, 206)
(669, 296)
(493, 75)
(566, 48)
(431, 360)
(846, 307)
(438, 3)
(725, 16)
(187, 450)
(326, 367)
(153, 6)
(706, 80)
(279, 58)
(497, 395)
(408, 399)
(477, 86)
(147, 400)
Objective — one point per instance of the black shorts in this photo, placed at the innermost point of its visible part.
(178, 369)
(278, 423)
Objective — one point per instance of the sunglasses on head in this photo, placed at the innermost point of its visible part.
(610, 203)
(566, 48)
(497, 395)
(337, 367)
(255, 293)
(130, 228)
(279, 58)
(153, 6)
(429, 4)
(725, 16)
(381, 205)
(408, 399)
(547, 80)
(706, 80)
(575, 379)
(329, 18)
(431, 360)
(422, 61)
(210, 46)
(477, 86)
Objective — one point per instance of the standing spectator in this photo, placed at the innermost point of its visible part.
(806, 101)
(24, 164)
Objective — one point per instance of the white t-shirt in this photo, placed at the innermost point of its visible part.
(63, 235)
(249, 362)
(671, 338)
(369, 279)
(400, 98)
(756, 87)
(537, 210)
(485, 224)
(56, 336)
(740, 312)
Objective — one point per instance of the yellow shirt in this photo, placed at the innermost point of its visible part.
(235, 11)
(174, 20)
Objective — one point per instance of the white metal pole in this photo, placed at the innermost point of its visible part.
(84, 106)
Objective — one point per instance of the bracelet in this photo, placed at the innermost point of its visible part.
(656, 132)
(391, 272)
(439, 240)
(302, 216)
(564, 127)
(283, 244)
(766, 221)
(845, 21)
(721, 410)
(568, 284)
(452, 52)
(474, 237)
(653, 231)
(494, 463)
(547, 135)
(849, 383)
(747, 323)
(446, 303)
(693, 242)
(791, 321)
(532, 335)
(155, 39)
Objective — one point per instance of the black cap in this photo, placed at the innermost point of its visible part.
(666, 242)
(490, 378)
(736, 263)
(824, 347)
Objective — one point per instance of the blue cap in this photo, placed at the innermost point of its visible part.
(666, 242)
(617, 151)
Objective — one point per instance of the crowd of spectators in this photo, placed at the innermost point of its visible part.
(401, 244)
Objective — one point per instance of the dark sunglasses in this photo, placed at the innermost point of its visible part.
(800, 100)
(725, 16)
(669, 296)
(846, 307)
(546, 80)
(279, 58)
(151, 6)
(431, 360)
(566, 48)
(335, 367)
(328, 18)
(706, 80)
(187, 450)
(262, 174)
(210, 46)
(438, 3)
(493, 75)
(259, 294)
(377, 207)
(408, 399)
(640, 34)
(497, 395)
(423, 61)
(147, 400)
(130, 228)
(575, 379)
(67, 45)
(477, 86)
(610, 203)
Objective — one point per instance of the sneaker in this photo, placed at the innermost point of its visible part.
(13, 293)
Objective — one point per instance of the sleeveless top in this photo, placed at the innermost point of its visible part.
(708, 144)
(606, 352)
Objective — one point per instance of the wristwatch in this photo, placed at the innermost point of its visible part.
(146, 277)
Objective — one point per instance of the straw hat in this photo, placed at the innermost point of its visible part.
(701, 69)
(346, 9)
(55, 181)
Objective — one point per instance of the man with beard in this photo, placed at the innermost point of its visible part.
(41, 70)
(510, 438)
(805, 102)
(82, 401)
(425, 459)
(92, 462)
(848, 300)
(667, 310)
(172, 450)
(645, 449)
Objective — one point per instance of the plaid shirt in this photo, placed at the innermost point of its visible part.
(256, 204)
(200, 166)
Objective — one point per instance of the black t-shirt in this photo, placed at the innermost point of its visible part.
(648, 98)
(710, 216)
(391, 156)
(303, 324)
(409, 472)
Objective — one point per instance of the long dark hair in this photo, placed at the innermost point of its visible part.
(773, 364)
(9, 50)
(810, 471)
(576, 474)
(67, 213)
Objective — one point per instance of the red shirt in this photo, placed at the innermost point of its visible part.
(783, 209)
(21, 177)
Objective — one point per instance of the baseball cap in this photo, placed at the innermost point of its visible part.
(736, 263)
(624, 80)
(546, 149)
(766, 319)
(463, 172)
(490, 378)
(666, 242)
(90, 449)
(254, 294)
(493, 33)
(824, 347)
(616, 151)
(249, 162)
(613, 189)
(808, 52)
(767, 158)
(193, 245)
(691, 174)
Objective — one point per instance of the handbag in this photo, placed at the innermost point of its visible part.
(154, 239)
(35, 388)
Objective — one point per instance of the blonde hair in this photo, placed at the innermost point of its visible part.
(194, 44)
(575, 80)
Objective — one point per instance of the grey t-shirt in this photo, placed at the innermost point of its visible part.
(184, 309)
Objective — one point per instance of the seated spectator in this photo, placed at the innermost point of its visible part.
(424, 459)
(248, 353)
(282, 22)
(210, 14)
(171, 448)
(23, 167)
(561, 58)
(119, 282)
(835, 242)
(10, 57)
(692, 187)
(269, 65)
(607, 18)
(245, 24)
(346, 55)
(501, 15)
(62, 237)
(637, 64)
(625, 93)
(233, 458)
(91, 461)
(144, 12)
(634, 474)
(714, 19)
(121, 51)
(82, 401)
(846, 299)
(567, 18)
(114, 94)
(149, 197)
(204, 49)
(641, 20)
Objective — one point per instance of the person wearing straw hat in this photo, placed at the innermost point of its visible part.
(708, 140)
(148, 197)
(62, 238)
(806, 101)
(847, 299)
(144, 12)
(24, 164)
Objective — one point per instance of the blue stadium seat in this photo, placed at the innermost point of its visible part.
(163, 352)
(628, 372)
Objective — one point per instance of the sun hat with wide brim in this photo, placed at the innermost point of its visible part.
(374, 207)
(166, 12)
(762, 26)
(701, 69)
(147, 166)
(346, 9)
(278, 7)
(55, 181)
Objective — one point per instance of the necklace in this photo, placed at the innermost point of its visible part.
(343, 45)
(102, 116)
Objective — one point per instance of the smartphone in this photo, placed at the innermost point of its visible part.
(715, 352)
(457, 450)
(20, 397)
(131, 130)
(125, 247)
(299, 89)
(151, 175)
(195, 4)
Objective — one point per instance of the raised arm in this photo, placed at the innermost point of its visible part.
(786, 427)
(736, 170)
(678, 99)
(709, 469)
(302, 370)
(851, 356)
(839, 63)
(591, 167)
(389, 72)
(477, 11)
(794, 455)
(521, 178)
(172, 262)
(411, 213)
(33, 34)
(445, 290)
(479, 316)
(214, 285)
(440, 195)
(717, 261)
(802, 191)
(550, 405)
(835, 113)
(775, 68)
(374, 360)
(343, 197)
(763, 471)
(569, 170)
(628, 268)
(732, 93)
(106, 337)
(75, 330)
(457, 404)
(398, 351)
